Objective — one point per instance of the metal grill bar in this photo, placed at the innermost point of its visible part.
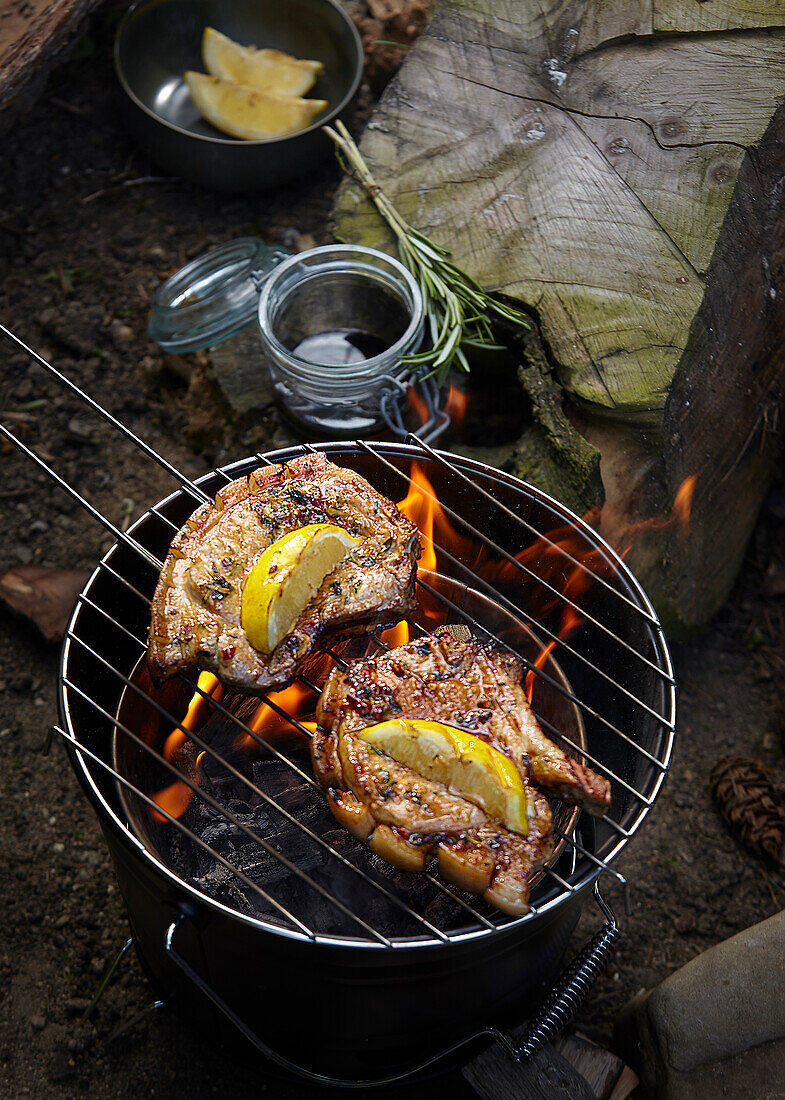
(252, 836)
(440, 458)
(197, 493)
(245, 728)
(137, 547)
(80, 748)
(107, 416)
(218, 705)
(513, 561)
(552, 730)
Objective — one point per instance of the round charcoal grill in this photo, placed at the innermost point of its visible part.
(273, 915)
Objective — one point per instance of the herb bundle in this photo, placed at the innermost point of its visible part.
(457, 309)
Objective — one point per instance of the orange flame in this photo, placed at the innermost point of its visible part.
(297, 700)
(456, 405)
(396, 635)
(176, 798)
(414, 401)
(547, 558)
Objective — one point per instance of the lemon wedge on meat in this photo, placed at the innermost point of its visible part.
(286, 578)
(466, 765)
(245, 112)
(268, 70)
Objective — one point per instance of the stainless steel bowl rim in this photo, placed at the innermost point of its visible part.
(332, 113)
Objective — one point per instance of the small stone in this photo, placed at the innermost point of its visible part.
(78, 431)
(37, 1022)
(63, 920)
(685, 923)
(24, 554)
(121, 333)
(62, 1067)
(723, 1004)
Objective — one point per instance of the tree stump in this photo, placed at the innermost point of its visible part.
(616, 166)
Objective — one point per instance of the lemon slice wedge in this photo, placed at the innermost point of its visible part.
(244, 112)
(466, 765)
(286, 578)
(267, 70)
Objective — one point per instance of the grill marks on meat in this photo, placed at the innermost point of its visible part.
(465, 684)
(406, 817)
(197, 604)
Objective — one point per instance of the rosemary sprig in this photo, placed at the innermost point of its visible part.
(457, 310)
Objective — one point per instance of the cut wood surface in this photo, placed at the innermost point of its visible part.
(581, 157)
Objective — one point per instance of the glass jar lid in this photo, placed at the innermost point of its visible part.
(212, 297)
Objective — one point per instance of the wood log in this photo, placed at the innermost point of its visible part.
(615, 166)
(33, 36)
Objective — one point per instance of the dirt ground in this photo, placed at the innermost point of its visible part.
(87, 228)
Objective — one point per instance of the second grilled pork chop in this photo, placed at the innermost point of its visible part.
(465, 684)
(406, 817)
(196, 614)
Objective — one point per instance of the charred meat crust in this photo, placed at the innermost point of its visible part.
(463, 683)
(407, 818)
(197, 603)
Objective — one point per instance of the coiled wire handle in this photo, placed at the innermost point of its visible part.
(571, 988)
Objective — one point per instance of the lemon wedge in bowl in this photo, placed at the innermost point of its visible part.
(267, 70)
(466, 765)
(245, 112)
(286, 578)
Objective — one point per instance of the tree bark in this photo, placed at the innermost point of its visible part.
(33, 36)
(616, 166)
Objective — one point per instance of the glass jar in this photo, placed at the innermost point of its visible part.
(335, 323)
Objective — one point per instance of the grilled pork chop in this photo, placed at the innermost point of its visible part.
(407, 818)
(196, 611)
(465, 684)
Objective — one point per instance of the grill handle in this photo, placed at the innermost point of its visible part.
(571, 987)
(560, 1006)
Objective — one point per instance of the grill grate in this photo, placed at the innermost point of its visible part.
(618, 670)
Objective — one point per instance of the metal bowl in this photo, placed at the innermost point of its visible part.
(158, 40)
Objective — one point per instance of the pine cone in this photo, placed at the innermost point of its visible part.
(748, 801)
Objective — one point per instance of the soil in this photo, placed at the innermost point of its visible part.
(88, 227)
